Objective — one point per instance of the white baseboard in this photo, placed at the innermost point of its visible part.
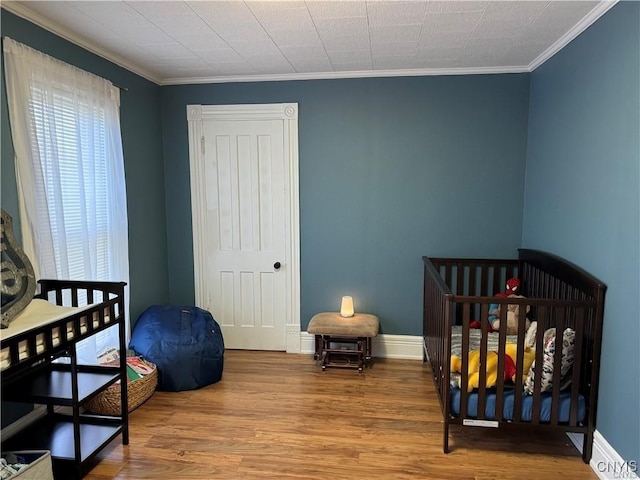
(38, 412)
(608, 464)
(407, 347)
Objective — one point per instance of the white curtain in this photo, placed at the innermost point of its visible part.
(65, 126)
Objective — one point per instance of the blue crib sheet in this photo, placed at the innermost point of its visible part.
(526, 410)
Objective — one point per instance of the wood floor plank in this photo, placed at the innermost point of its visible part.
(277, 415)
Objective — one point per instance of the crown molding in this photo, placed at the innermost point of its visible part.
(418, 72)
(599, 10)
(28, 14)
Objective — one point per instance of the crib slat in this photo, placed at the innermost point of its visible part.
(501, 348)
(464, 383)
(517, 399)
(459, 270)
(537, 382)
(577, 359)
(484, 322)
(460, 279)
(557, 365)
(48, 339)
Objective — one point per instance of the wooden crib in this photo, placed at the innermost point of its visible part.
(559, 295)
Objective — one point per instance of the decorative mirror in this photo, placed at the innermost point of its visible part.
(18, 278)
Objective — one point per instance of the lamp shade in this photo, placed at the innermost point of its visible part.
(346, 308)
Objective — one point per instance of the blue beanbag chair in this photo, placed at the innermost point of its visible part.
(185, 343)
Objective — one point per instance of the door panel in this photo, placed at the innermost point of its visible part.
(246, 231)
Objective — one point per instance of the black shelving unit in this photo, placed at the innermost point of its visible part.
(73, 436)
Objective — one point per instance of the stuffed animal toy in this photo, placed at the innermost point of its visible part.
(513, 317)
(513, 311)
(509, 373)
(511, 289)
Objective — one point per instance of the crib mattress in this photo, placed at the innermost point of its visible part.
(40, 313)
(526, 410)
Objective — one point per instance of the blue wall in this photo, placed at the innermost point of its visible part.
(582, 197)
(390, 169)
(141, 133)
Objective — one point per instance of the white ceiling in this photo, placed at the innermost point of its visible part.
(172, 42)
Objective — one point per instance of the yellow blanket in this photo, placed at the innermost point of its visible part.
(492, 365)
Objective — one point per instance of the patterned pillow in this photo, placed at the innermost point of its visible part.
(530, 337)
(548, 354)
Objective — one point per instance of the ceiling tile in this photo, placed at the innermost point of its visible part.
(342, 26)
(451, 22)
(184, 25)
(486, 46)
(396, 12)
(197, 43)
(305, 52)
(293, 38)
(336, 9)
(515, 11)
(243, 32)
(401, 49)
(255, 48)
(561, 16)
(444, 6)
(235, 68)
(390, 62)
(224, 55)
(271, 5)
(274, 20)
(265, 64)
(316, 65)
(395, 33)
(356, 56)
(223, 13)
(114, 14)
(438, 53)
(440, 39)
(260, 61)
(147, 36)
(346, 42)
(158, 9)
(172, 50)
(493, 29)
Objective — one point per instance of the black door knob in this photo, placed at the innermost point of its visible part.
(277, 265)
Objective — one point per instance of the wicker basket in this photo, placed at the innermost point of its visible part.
(39, 465)
(108, 401)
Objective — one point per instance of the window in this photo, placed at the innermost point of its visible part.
(66, 133)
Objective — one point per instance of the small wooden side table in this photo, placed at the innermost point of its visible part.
(358, 331)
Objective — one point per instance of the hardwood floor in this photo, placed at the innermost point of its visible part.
(275, 415)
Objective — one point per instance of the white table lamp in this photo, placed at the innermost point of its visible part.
(346, 308)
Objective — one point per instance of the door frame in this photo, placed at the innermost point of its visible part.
(288, 113)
